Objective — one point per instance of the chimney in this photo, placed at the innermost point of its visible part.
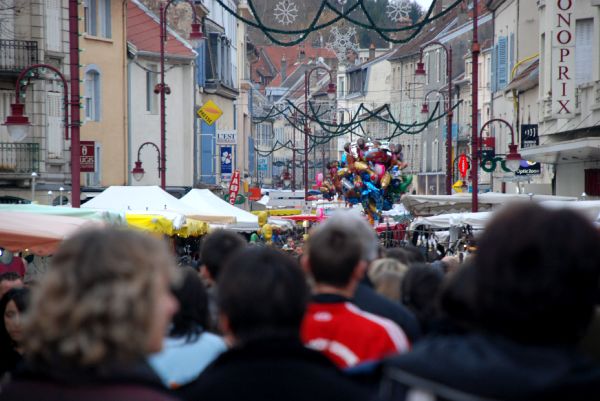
(283, 68)
(372, 51)
(301, 54)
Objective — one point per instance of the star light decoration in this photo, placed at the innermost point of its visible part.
(398, 10)
(342, 42)
(285, 12)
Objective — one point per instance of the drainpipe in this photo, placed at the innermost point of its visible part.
(129, 127)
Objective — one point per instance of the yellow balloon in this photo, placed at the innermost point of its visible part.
(267, 232)
(262, 218)
(385, 180)
(361, 166)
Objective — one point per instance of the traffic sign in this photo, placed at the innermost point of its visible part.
(210, 112)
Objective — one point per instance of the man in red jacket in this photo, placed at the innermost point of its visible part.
(333, 324)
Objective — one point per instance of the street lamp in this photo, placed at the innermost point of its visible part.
(50, 198)
(60, 199)
(18, 125)
(138, 171)
(513, 158)
(420, 71)
(33, 177)
(196, 36)
(331, 92)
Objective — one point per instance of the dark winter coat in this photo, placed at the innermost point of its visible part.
(370, 301)
(272, 369)
(477, 366)
(133, 383)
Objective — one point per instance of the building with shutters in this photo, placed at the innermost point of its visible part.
(103, 59)
(34, 31)
(569, 88)
(143, 70)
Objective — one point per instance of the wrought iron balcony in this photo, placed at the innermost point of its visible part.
(19, 159)
(15, 55)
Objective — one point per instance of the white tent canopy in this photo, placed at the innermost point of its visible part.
(428, 205)
(590, 209)
(475, 220)
(210, 205)
(140, 199)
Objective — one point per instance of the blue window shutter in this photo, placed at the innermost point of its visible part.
(502, 62)
(251, 154)
(107, 23)
(493, 72)
(97, 97)
(201, 64)
(512, 54)
(207, 153)
(93, 18)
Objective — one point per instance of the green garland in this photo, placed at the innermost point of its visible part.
(314, 25)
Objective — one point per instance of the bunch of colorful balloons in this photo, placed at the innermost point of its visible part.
(369, 175)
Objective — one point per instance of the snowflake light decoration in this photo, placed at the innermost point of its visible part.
(398, 10)
(342, 42)
(285, 12)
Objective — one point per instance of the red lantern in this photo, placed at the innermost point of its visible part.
(463, 165)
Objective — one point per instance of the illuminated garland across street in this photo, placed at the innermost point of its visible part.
(332, 131)
(354, 11)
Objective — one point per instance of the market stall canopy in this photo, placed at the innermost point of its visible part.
(106, 216)
(167, 223)
(447, 220)
(211, 207)
(429, 205)
(138, 198)
(37, 233)
(590, 209)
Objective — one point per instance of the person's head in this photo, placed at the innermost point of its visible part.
(384, 265)
(421, 290)
(388, 284)
(216, 248)
(9, 280)
(12, 306)
(192, 318)
(261, 293)
(406, 255)
(106, 298)
(335, 256)
(535, 274)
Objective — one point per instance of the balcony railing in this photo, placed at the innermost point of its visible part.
(19, 158)
(15, 55)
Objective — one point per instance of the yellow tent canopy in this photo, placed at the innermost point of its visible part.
(156, 223)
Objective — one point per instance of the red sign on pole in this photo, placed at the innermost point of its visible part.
(234, 186)
(87, 157)
(463, 165)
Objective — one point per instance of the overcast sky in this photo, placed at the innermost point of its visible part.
(424, 3)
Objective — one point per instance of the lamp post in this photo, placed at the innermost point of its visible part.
(60, 199)
(331, 92)
(475, 49)
(18, 125)
(421, 71)
(33, 177)
(295, 116)
(513, 158)
(50, 198)
(138, 171)
(163, 89)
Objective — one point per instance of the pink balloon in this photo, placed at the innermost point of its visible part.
(379, 170)
(319, 179)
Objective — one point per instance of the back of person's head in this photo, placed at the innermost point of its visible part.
(192, 318)
(536, 274)
(104, 299)
(421, 288)
(406, 255)
(262, 293)
(334, 252)
(217, 247)
(356, 225)
(384, 265)
(388, 284)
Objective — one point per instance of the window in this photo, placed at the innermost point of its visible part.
(592, 182)
(434, 155)
(53, 25)
(584, 34)
(439, 65)
(501, 63)
(97, 18)
(424, 169)
(427, 68)
(151, 97)
(92, 94)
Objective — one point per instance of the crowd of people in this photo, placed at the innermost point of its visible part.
(114, 317)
